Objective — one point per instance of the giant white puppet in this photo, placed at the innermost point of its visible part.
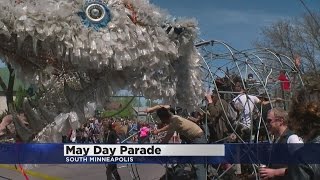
(78, 52)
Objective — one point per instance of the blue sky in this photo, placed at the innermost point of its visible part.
(237, 22)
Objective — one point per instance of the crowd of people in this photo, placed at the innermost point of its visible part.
(96, 131)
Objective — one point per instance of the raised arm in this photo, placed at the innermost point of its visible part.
(165, 128)
(271, 101)
(155, 108)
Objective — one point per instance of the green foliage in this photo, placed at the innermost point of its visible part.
(20, 95)
(116, 113)
(125, 111)
(139, 102)
(4, 74)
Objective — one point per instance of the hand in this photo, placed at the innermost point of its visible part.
(232, 137)
(147, 110)
(278, 99)
(266, 173)
(155, 108)
(155, 132)
(209, 98)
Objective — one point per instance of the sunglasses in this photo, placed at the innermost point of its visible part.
(272, 120)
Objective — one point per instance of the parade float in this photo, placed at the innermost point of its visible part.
(78, 53)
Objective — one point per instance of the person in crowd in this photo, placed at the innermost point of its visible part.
(200, 118)
(8, 119)
(121, 130)
(96, 130)
(164, 126)
(86, 133)
(196, 117)
(277, 119)
(144, 134)
(248, 103)
(79, 135)
(190, 130)
(102, 129)
(64, 139)
(263, 109)
(217, 123)
(73, 136)
(111, 137)
(304, 118)
(285, 83)
(218, 119)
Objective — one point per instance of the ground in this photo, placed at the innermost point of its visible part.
(79, 172)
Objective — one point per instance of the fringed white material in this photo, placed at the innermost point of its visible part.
(53, 132)
(145, 55)
(143, 49)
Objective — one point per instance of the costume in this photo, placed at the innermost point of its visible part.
(78, 53)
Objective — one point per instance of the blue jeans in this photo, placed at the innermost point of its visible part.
(201, 170)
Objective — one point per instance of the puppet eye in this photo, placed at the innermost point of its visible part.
(95, 14)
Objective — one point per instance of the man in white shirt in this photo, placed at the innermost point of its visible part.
(248, 105)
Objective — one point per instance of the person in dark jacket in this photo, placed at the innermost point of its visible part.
(277, 119)
(304, 118)
(218, 120)
(110, 137)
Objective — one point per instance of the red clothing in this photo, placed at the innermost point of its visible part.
(285, 83)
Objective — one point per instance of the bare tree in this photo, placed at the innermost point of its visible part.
(295, 37)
